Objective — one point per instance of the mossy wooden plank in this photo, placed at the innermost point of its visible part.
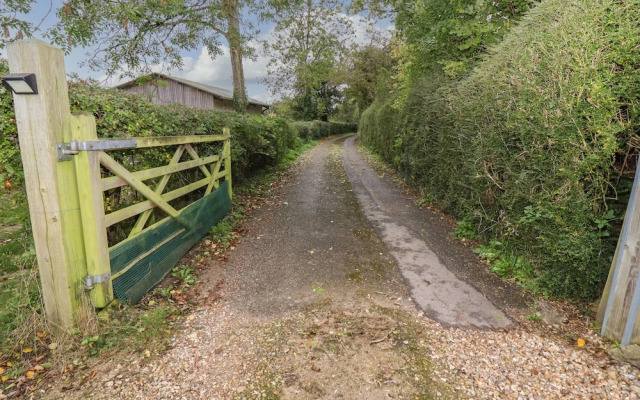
(227, 161)
(121, 215)
(94, 231)
(144, 217)
(113, 166)
(113, 182)
(604, 300)
(195, 156)
(160, 141)
(214, 182)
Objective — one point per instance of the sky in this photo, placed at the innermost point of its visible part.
(197, 64)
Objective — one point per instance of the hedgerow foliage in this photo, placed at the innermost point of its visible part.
(256, 140)
(525, 147)
(447, 35)
(10, 166)
(313, 130)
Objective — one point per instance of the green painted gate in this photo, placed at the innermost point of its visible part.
(142, 260)
(151, 250)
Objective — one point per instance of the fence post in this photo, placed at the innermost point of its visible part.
(226, 153)
(94, 231)
(43, 121)
(620, 303)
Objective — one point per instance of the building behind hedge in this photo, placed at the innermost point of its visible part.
(165, 90)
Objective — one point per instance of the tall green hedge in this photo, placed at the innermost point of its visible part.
(256, 140)
(529, 147)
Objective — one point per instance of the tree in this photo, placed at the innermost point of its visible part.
(131, 36)
(309, 39)
(13, 27)
(362, 70)
(446, 36)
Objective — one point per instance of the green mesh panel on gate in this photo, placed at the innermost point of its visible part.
(150, 269)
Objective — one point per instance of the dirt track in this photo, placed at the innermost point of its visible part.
(318, 305)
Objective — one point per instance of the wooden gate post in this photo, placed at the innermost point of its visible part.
(226, 153)
(94, 230)
(43, 121)
(620, 304)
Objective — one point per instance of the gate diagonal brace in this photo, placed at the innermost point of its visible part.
(113, 166)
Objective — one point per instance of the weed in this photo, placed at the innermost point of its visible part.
(21, 309)
(317, 289)
(467, 229)
(534, 317)
(603, 223)
(508, 266)
(423, 202)
(221, 232)
(355, 276)
(164, 292)
(184, 274)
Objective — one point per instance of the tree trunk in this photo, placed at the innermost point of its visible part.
(240, 101)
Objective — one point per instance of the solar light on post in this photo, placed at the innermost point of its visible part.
(21, 83)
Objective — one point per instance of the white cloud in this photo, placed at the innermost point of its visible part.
(217, 71)
(364, 32)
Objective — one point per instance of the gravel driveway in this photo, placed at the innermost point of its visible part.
(323, 301)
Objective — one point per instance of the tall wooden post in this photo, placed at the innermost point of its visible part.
(226, 151)
(43, 121)
(620, 304)
(94, 231)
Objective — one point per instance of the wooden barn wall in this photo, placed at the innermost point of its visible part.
(224, 105)
(254, 109)
(172, 92)
(227, 105)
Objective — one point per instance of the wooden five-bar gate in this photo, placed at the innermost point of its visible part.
(67, 171)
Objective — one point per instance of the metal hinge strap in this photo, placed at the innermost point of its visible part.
(67, 150)
(96, 279)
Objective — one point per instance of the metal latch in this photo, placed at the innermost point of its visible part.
(91, 280)
(67, 150)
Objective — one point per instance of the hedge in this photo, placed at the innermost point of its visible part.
(313, 130)
(529, 149)
(257, 141)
